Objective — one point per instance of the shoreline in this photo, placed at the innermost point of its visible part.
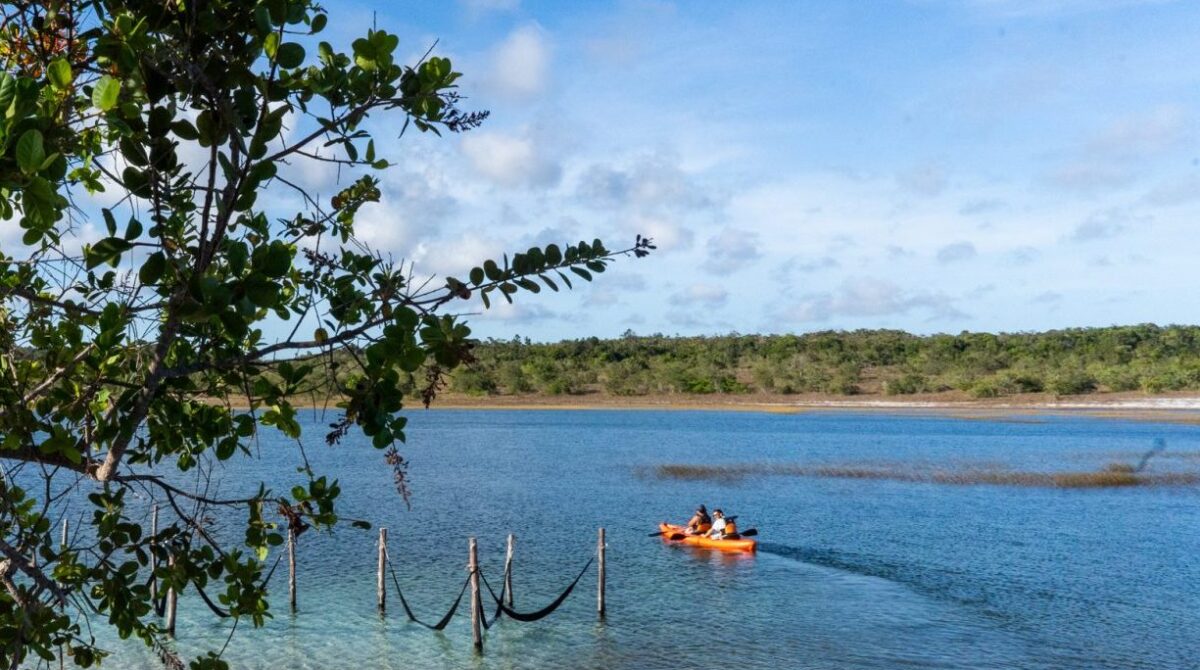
(1170, 408)
(1174, 408)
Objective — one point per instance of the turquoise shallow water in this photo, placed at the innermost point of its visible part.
(850, 573)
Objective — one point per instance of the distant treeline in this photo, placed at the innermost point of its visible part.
(1148, 358)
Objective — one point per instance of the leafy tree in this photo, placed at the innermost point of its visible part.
(157, 347)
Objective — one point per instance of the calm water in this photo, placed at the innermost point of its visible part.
(850, 574)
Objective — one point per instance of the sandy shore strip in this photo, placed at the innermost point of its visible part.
(1174, 408)
(1137, 407)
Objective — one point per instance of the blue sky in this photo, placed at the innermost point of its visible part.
(930, 165)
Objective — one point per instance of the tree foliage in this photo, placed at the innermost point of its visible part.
(982, 365)
(172, 126)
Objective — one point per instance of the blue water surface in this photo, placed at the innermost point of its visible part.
(850, 573)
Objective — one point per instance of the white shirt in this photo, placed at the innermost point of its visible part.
(718, 527)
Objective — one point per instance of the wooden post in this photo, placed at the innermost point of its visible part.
(508, 597)
(379, 583)
(600, 576)
(292, 567)
(153, 556)
(171, 602)
(476, 603)
(62, 547)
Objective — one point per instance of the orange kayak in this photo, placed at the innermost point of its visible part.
(724, 544)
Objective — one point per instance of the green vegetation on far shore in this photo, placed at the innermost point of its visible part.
(1149, 358)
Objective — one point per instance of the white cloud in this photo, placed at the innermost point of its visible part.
(381, 227)
(602, 297)
(455, 256)
(521, 63)
(797, 264)
(1047, 297)
(667, 234)
(654, 182)
(1109, 158)
(701, 294)
(1104, 225)
(1090, 175)
(476, 7)
(1175, 192)
(1024, 255)
(413, 206)
(1137, 135)
(869, 297)
(958, 251)
(928, 180)
(731, 250)
(510, 160)
(517, 312)
(1047, 8)
(982, 206)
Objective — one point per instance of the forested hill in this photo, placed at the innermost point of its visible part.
(1148, 358)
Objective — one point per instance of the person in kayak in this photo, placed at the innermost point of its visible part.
(718, 525)
(700, 522)
(731, 532)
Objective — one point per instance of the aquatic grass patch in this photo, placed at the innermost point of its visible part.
(1114, 475)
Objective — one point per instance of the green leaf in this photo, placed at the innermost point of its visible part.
(290, 55)
(136, 181)
(271, 45)
(206, 129)
(476, 276)
(275, 260)
(262, 293)
(107, 250)
(153, 268)
(8, 90)
(318, 23)
(582, 273)
(184, 130)
(59, 73)
(106, 92)
(262, 19)
(30, 152)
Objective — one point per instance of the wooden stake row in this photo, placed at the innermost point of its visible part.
(381, 584)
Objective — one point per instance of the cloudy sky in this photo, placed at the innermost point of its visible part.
(930, 165)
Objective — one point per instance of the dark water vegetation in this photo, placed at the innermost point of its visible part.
(1146, 358)
(1113, 475)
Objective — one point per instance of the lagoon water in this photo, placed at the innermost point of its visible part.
(850, 573)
